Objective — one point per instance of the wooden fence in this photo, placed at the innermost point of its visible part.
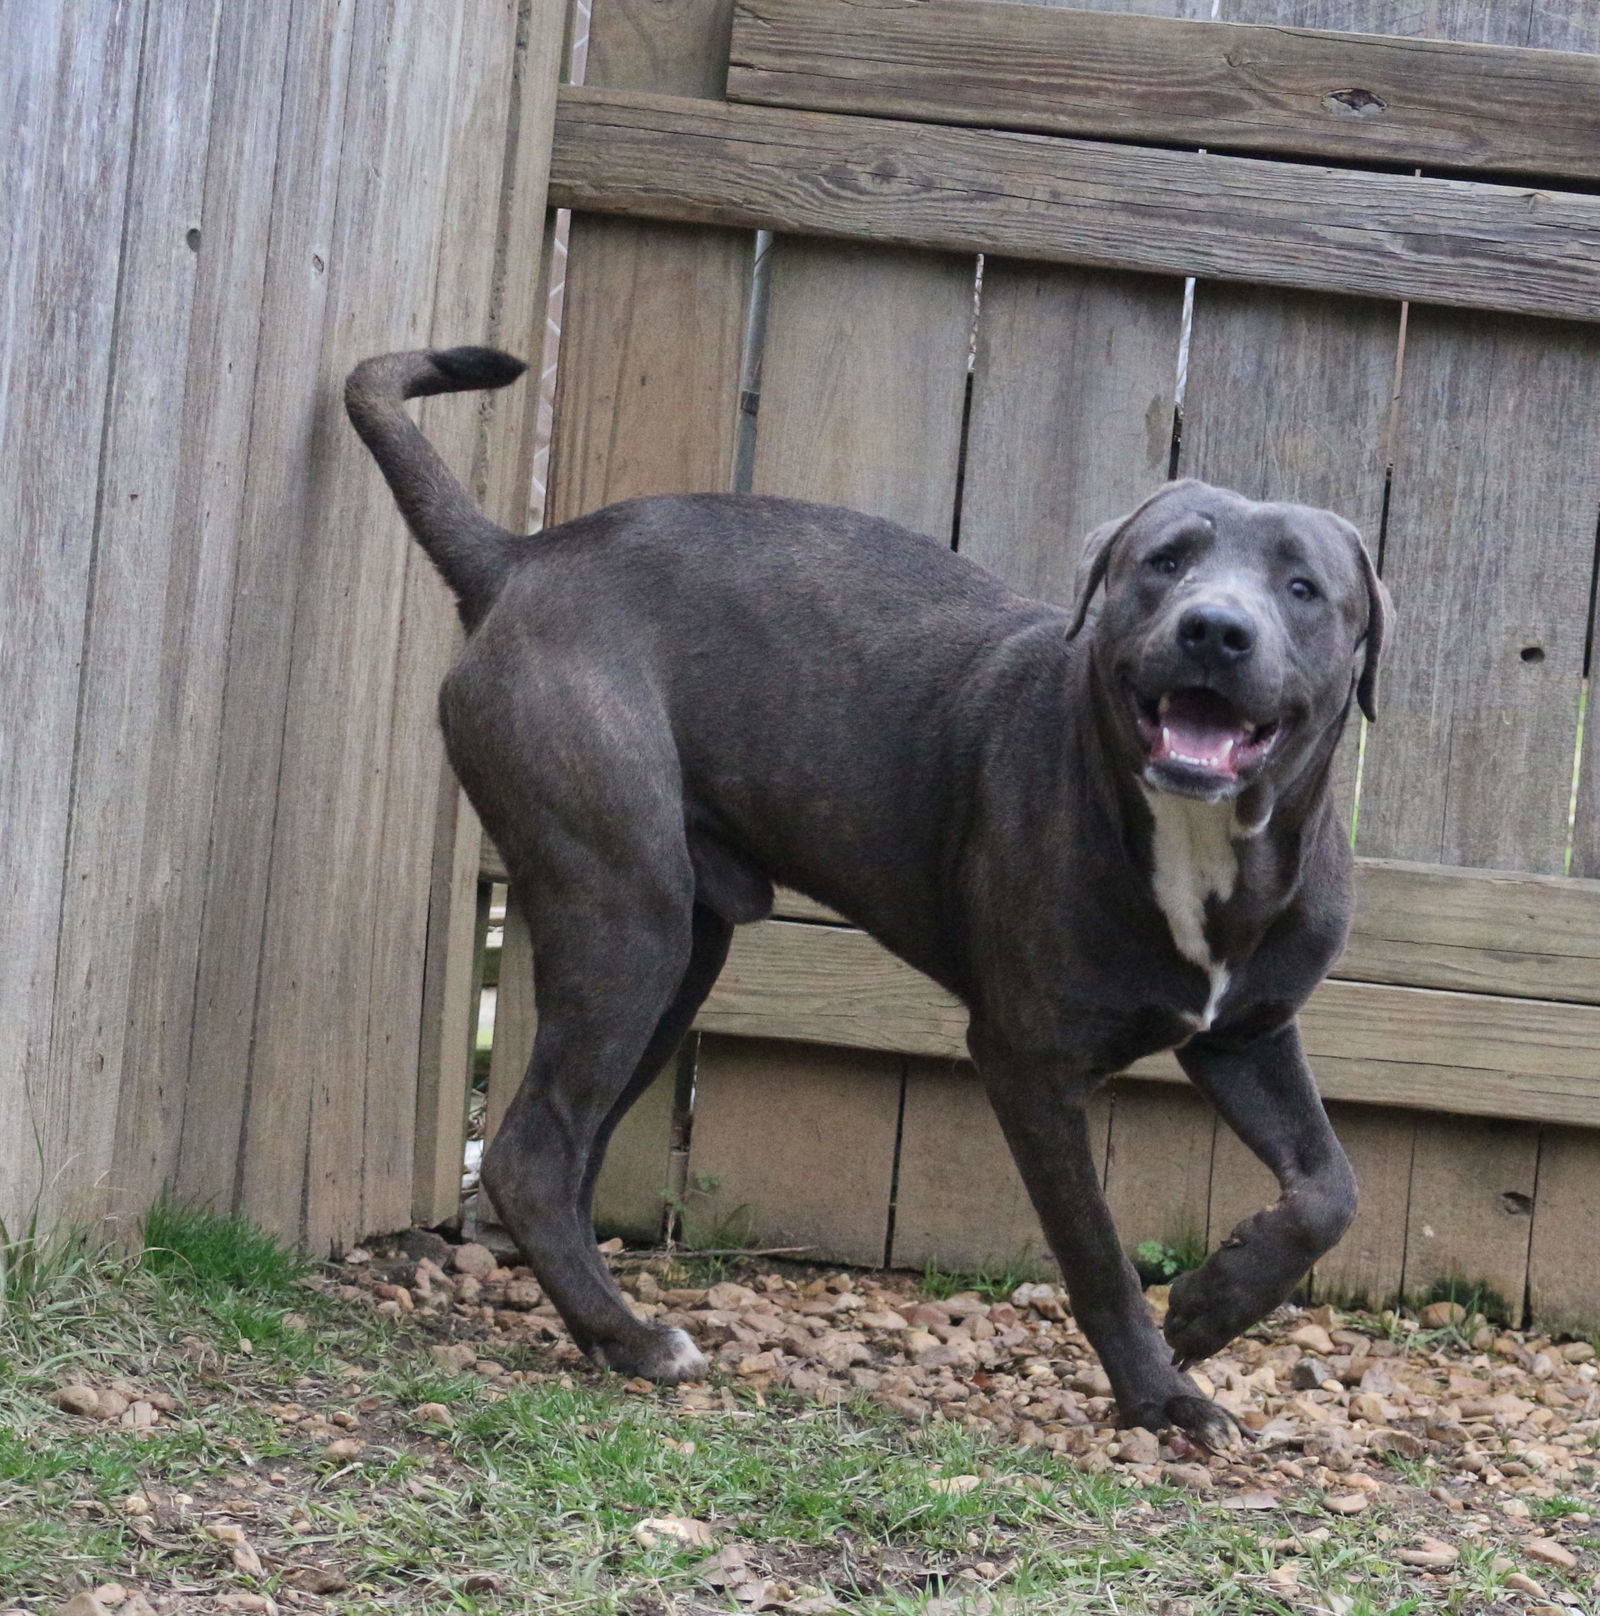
(241, 897)
(230, 859)
(1408, 336)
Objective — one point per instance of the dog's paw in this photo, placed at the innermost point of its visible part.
(1237, 1286)
(664, 1356)
(1206, 1424)
(1203, 1316)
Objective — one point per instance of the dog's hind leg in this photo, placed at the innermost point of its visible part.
(612, 954)
(1264, 1091)
(707, 952)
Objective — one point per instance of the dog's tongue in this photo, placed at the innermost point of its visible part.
(1201, 729)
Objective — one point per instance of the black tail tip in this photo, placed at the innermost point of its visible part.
(477, 367)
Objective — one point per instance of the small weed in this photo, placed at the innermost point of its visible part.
(1159, 1262)
(1474, 1296)
(1559, 1508)
(996, 1284)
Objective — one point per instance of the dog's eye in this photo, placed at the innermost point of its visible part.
(1164, 561)
(1303, 589)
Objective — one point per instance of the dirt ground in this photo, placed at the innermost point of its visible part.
(1502, 1427)
(1477, 1448)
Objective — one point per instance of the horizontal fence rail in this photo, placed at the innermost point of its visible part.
(1361, 98)
(1394, 236)
(1492, 932)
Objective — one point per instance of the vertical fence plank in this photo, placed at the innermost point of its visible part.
(1158, 1165)
(1472, 1198)
(1054, 449)
(1490, 538)
(274, 525)
(139, 568)
(1564, 25)
(222, 228)
(647, 389)
(482, 96)
(1368, 1265)
(960, 1204)
(1566, 1217)
(630, 1196)
(1486, 22)
(321, 987)
(1489, 552)
(1289, 398)
(70, 73)
(1240, 1185)
(1562, 1285)
(863, 379)
(1194, 9)
(793, 1145)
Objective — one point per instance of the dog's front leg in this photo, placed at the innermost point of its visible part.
(1040, 1106)
(1265, 1092)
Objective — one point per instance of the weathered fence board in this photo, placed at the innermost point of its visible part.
(217, 393)
(1479, 931)
(826, 1119)
(648, 386)
(863, 382)
(863, 379)
(479, 89)
(231, 747)
(1289, 397)
(647, 391)
(274, 517)
(1054, 450)
(960, 1204)
(1368, 1264)
(1490, 544)
(1158, 1165)
(1123, 207)
(1358, 98)
(70, 77)
(141, 565)
(1470, 1211)
(1373, 1043)
(1566, 1215)
(325, 989)
(1439, 926)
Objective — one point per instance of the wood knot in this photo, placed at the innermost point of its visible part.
(1363, 103)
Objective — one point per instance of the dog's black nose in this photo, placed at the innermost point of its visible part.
(1216, 636)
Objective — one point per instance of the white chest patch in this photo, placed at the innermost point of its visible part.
(1193, 858)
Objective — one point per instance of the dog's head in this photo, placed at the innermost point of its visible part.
(1231, 637)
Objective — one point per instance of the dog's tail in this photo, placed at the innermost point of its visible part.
(472, 553)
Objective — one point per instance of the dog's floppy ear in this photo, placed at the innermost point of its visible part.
(1380, 610)
(1098, 548)
(1092, 566)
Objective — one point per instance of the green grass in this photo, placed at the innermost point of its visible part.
(212, 1255)
(996, 1284)
(529, 1500)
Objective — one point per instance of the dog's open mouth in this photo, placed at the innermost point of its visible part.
(1201, 737)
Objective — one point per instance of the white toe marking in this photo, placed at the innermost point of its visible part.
(1192, 858)
(685, 1359)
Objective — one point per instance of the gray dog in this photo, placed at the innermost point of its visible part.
(1104, 843)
